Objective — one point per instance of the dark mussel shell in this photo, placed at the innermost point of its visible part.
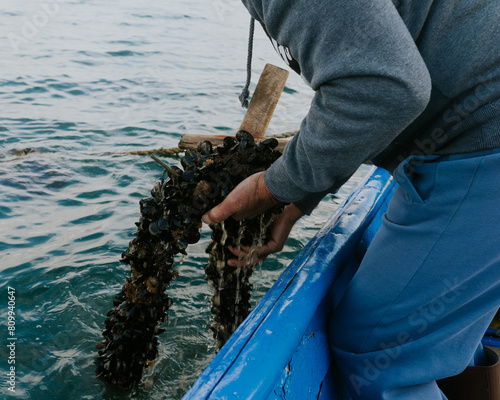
(157, 186)
(229, 142)
(190, 175)
(204, 148)
(242, 134)
(149, 207)
(191, 234)
(272, 143)
(188, 163)
(246, 139)
(190, 159)
(153, 228)
(163, 224)
(174, 172)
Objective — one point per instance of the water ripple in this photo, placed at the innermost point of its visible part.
(100, 79)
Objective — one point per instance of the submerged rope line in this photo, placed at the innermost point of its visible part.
(172, 151)
(245, 93)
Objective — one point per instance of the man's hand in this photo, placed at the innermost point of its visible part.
(250, 198)
(279, 233)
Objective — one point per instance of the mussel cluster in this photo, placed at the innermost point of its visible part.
(170, 221)
(232, 289)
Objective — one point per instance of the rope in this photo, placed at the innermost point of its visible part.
(172, 151)
(166, 152)
(283, 135)
(176, 150)
(245, 93)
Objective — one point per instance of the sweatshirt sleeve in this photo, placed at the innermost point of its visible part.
(370, 83)
(308, 203)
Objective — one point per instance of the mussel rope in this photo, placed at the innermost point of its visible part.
(177, 150)
(245, 93)
(172, 151)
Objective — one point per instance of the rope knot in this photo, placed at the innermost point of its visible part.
(245, 94)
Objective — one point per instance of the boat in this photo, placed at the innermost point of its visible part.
(280, 351)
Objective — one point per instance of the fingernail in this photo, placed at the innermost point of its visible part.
(206, 219)
(232, 263)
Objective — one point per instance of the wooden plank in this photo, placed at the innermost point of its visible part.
(264, 100)
(190, 141)
(259, 113)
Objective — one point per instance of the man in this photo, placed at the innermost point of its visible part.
(414, 86)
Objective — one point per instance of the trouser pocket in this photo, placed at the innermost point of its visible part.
(417, 176)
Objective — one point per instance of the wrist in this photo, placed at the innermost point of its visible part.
(264, 191)
(292, 212)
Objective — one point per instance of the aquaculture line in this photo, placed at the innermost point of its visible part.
(170, 221)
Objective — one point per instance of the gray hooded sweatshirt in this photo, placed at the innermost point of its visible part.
(392, 79)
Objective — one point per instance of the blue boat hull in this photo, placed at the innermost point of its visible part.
(281, 351)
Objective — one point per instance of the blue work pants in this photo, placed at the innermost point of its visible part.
(429, 284)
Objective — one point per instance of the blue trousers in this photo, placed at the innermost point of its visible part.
(429, 284)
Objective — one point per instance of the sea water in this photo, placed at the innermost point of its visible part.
(82, 83)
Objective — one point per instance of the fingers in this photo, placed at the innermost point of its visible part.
(246, 256)
(219, 213)
(250, 198)
(241, 251)
(279, 233)
(229, 206)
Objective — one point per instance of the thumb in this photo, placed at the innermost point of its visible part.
(218, 213)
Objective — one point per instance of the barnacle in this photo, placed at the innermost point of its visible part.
(170, 221)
